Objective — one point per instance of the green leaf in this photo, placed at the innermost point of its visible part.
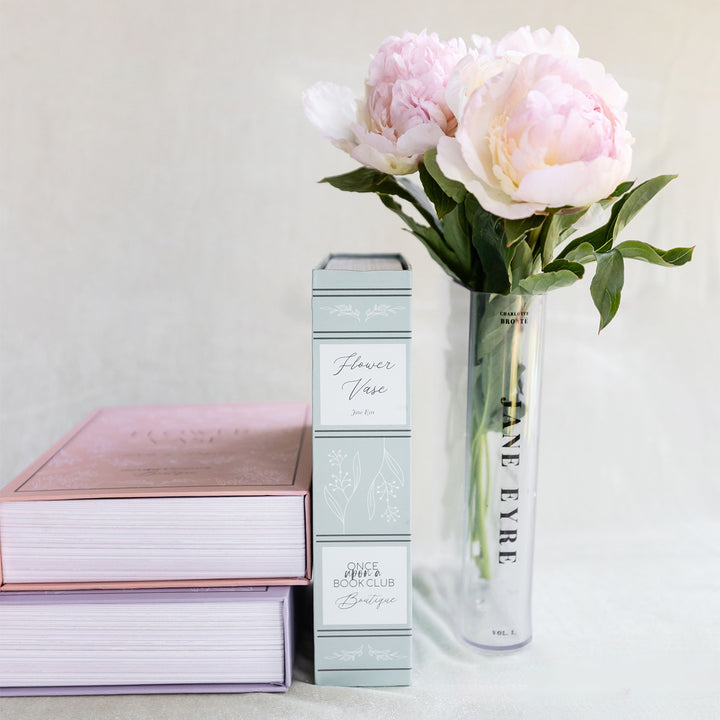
(496, 369)
(547, 281)
(563, 264)
(458, 236)
(597, 240)
(557, 227)
(618, 192)
(363, 179)
(443, 203)
(472, 207)
(566, 222)
(452, 188)
(631, 204)
(623, 211)
(549, 238)
(607, 284)
(490, 334)
(488, 239)
(521, 264)
(667, 258)
(582, 253)
(516, 230)
(430, 238)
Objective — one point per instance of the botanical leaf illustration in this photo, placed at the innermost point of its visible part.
(377, 310)
(332, 504)
(395, 469)
(371, 501)
(382, 310)
(384, 655)
(344, 310)
(340, 490)
(356, 471)
(384, 487)
(346, 655)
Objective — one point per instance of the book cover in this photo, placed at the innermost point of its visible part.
(92, 642)
(164, 496)
(362, 581)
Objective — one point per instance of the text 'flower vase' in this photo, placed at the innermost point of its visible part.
(504, 377)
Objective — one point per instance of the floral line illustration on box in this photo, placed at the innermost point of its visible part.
(377, 310)
(378, 655)
(385, 484)
(346, 655)
(341, 488)
(383, 487)
(384, 655)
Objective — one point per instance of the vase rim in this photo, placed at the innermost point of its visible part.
(509, 294)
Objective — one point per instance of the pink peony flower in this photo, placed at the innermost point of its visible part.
(546, 131)
(404, 113)
(488, 59)
(523, 42)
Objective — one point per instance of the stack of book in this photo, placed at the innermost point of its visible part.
(153, 549)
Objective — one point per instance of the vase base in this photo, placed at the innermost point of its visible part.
(495, 649)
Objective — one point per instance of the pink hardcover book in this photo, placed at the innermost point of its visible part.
(164, 496)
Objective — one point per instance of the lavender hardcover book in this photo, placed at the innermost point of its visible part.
(95, 642)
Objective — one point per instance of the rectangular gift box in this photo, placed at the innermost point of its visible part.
(164, 496)
(362, 580)
(97, 642)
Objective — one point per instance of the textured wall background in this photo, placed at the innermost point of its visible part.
(159, 219)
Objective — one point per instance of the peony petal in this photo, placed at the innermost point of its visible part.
(332, 109)
(404, 112)
(469, 74)
(523, 42)
(498, 203)
(419, 139)
(452, 163)
(461, 83)
(576, 184)
(381, 143)
(563, 42)
(484, 106)
(382, 154)
(482, 43)
(385, 162)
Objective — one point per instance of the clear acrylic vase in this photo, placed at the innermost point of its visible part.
(504, 374)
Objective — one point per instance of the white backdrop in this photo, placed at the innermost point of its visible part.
(160, 217)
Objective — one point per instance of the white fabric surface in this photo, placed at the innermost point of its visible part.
(625, 628)
(159, 219)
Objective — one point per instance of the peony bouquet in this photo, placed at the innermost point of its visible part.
(522, 153)
(518, 145)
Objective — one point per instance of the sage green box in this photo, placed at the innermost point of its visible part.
(362, 580)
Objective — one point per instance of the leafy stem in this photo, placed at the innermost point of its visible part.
(479, 499)
(496, 370)
(533, 255)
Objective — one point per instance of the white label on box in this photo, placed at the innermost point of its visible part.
(363, 384)
(364, 585)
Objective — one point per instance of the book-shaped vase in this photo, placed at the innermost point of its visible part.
(362, 583)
